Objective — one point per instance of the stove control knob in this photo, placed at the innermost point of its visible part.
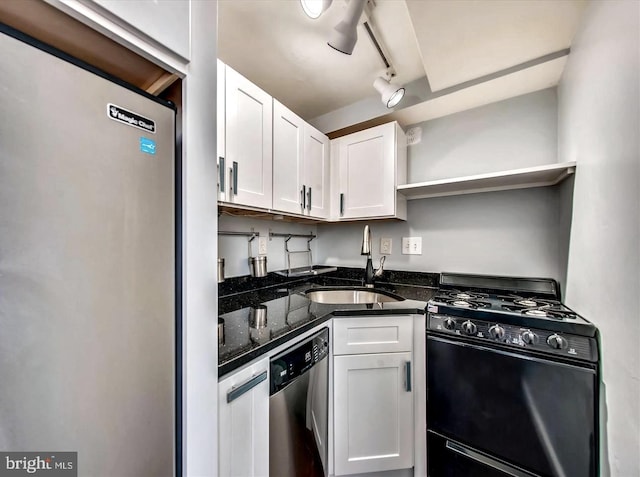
(497, 332)
(556, 341)
(449, 324)
(529, 337)
(469, 327)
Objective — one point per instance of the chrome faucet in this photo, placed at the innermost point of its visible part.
(369, 273)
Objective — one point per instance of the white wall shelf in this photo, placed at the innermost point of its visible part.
(539, 176)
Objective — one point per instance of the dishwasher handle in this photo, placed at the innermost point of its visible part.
(238, 391)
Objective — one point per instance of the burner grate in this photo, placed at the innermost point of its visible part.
(550, 310)
(463, 302)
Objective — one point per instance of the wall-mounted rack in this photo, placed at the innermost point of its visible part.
(309, 236)
(251, 234)
(309, 269)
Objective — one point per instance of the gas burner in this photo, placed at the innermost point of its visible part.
(518, 302)
(556, 312)
(535, 312)
(453, 300)
(464, 295)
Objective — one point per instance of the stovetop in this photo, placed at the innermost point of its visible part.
(520, 312)
(532, 306)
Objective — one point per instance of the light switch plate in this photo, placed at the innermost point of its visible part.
(411, 245)
(385, 245)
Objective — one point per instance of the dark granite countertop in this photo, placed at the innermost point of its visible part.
(290, 313)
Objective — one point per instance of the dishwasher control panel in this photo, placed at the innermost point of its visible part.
(295, 361)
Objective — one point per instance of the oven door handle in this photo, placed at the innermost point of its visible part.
(487, 461)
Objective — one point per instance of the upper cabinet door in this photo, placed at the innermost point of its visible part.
(316, 172)
(367, 173)
(248, 112)
(166, 22)
(289, 192)
(300, 165)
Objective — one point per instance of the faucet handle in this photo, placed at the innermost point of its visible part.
(380, 269)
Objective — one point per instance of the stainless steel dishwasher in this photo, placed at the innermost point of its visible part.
(298, 399)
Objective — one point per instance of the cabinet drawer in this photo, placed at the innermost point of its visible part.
(372, 334)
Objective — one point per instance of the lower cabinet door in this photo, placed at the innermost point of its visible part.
(243, 422)
(373, 413)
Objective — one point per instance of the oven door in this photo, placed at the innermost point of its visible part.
(488, 406)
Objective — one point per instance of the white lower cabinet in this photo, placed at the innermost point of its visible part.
(373, 408)
(243, 422)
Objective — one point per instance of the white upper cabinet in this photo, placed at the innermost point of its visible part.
(248, 142)
(367, 167)
(300, 165)
(316, 172)
(165, 21)
(288, 160)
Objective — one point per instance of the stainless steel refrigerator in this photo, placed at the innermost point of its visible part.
(88, 283)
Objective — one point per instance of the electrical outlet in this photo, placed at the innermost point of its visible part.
(411, 245)
(385, 246)
(262, 245)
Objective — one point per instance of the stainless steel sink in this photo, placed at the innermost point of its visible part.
(350, 296)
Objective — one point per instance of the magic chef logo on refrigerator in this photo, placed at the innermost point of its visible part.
(46, 464)
(130, 118)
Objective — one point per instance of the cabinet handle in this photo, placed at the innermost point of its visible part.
(309, 200)
(235, 178)
(222, 173)
(407, 369)
(303, 194)
(341, 204)
(238, 391)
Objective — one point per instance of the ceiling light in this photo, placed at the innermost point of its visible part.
(391, 94)
(345, 34)
(315, 8)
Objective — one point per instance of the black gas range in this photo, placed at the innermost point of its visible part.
(512, 380)
(516, 312)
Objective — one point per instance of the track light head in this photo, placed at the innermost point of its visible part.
(315, 8)
(345, 35)
(391, 94)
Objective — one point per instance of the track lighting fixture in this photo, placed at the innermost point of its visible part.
(315, 8)
(391, 94)
(345, 35)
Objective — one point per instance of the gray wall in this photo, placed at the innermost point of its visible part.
(516, 232)
(511, 134)
(503, 233)
(599, 128)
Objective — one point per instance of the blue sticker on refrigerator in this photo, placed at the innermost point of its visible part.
(148, 146)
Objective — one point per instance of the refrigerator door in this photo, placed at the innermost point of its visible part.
(87, 268)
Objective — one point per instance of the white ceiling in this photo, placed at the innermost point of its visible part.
(276, 46)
